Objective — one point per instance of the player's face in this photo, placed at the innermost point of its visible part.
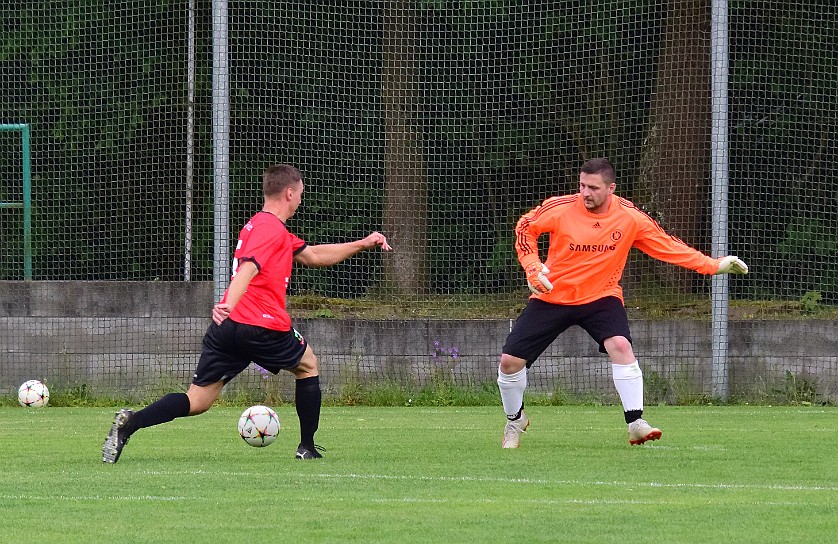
(595, 192)
(296, 196)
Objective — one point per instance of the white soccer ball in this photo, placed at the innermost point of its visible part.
(259, 426)
(33, 394)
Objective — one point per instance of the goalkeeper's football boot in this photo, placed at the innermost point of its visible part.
(117, 437)
(305, 452)
(640, 431)
(512, 431)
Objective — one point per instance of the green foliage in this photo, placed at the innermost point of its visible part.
(323, 313)
(75, 396)
(561, 397)
(810, 248)
(810, 302)
(96, 121)
(656, 388)
(511, 96)
(439, 392)
(442, 390)
(799, 390)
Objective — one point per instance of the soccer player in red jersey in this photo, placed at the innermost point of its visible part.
(591, 233)
(251, 324)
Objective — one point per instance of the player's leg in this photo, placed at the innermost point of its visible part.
(537, 326)
(308, 399)
(626, 374)
(196, 401)
(512, 382)
(288, 350)
(607, 323)
(215, 368)
(628, 380)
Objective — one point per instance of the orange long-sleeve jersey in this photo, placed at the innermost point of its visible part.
(588, 252)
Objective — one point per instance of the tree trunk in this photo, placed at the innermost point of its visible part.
(674, 167)
(405, 219)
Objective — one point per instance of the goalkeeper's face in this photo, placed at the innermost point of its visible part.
(596, 192)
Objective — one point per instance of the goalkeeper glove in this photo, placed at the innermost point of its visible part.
(732, 265)
(537, 279)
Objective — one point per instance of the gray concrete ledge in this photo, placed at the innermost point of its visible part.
(140, 338)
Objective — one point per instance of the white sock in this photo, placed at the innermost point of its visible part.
(628, 379)
(512, 390)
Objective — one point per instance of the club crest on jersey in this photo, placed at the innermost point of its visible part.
(616, 235)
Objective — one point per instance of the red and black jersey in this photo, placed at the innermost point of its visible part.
(266, 242)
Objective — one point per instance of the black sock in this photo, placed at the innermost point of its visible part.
(165, 409)
(516, 416)
(633, 415)
(308, 399)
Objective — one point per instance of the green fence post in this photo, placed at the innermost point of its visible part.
(27, 196)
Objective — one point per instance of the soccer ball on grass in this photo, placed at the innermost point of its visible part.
(33, 394)
(259, 426)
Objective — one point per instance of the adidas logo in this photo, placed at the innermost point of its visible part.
(597, 225)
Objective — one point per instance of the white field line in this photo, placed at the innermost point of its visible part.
(42, 496)
(149, 498)
(526, 481)
(407, 500)
(377, 500)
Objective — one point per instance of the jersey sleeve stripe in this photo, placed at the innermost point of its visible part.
(523, 226)
(628, 204)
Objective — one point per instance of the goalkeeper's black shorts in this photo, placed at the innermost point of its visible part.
(542, 322)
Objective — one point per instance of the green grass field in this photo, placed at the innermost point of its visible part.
(411, 474)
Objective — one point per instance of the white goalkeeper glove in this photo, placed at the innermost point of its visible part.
(732, 265)
(537, 278)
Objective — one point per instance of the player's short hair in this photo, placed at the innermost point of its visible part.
(278, 177)
(602, 167)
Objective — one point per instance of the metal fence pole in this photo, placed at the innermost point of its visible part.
(221, 148)
(720, 174)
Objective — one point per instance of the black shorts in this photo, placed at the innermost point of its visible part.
(542, 322)
(230, 347)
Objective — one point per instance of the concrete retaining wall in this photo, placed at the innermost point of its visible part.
(143, 338)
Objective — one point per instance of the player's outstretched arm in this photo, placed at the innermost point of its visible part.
(732, 265)
(329, 254)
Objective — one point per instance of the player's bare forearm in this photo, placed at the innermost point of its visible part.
(330, 254)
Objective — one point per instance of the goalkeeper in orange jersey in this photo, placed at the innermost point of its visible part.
(591, 233)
